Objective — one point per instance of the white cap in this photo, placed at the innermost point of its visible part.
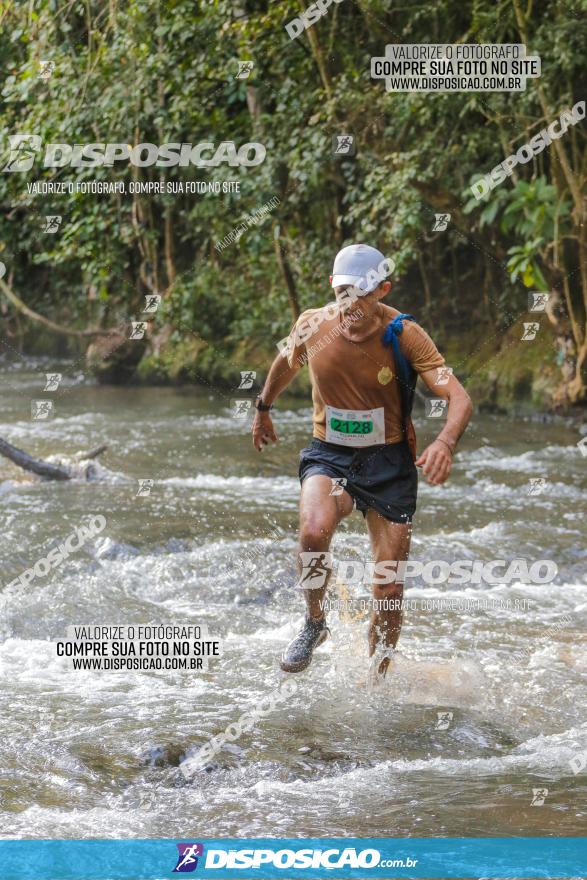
(362, 266)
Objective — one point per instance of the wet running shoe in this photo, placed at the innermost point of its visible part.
(298, 654)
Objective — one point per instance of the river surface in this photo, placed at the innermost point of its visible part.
(480, 707)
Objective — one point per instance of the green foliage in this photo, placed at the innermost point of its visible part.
(145, 71)
(531, 212)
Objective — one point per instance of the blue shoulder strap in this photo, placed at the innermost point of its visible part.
(407, 376)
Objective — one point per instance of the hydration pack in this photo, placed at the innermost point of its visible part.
(406, 376)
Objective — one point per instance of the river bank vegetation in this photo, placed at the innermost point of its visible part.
(232, 274)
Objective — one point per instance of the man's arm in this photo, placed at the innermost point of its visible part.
(279, 377)
(436, 460)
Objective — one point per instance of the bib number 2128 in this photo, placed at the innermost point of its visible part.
(349, 427)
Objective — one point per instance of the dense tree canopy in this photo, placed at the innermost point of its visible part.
(144, 71)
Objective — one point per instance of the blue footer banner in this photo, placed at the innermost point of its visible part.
(520, 857)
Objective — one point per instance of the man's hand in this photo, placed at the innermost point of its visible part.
(263, 431)
(436, 462)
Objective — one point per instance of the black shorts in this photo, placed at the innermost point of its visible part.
(382, 478)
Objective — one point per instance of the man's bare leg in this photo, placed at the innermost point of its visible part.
(389, 541)
(320, 514)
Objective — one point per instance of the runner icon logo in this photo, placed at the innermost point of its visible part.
(53, 380)
(441, 222)
(187, 860)
(52, 223)
(443, 375)
(244, 69)
(247, 379)
(436, 407)
(343, 145)
(152, 302)
(530, 331)
(240, 408)
(539, 795)
(444, 719)
(41, 409)
(138, 329)
(537, 301)
(315, 569)
(47, 69)
(23, 148)
(338, 485)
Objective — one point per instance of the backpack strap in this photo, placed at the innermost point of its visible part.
(406, 375)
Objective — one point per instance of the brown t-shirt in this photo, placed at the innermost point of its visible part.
(358, 376)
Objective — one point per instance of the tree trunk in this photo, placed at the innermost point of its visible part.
(283, 263)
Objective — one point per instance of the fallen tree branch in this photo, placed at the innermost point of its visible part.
(28, 463)
(94, 453)
(68, 331)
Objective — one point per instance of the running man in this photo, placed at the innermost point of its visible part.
(363, 450)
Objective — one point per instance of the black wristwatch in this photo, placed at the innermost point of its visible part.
(260, 406)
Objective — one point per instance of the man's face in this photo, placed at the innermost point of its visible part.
(357, 306)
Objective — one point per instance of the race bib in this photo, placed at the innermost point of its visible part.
(352, 427)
